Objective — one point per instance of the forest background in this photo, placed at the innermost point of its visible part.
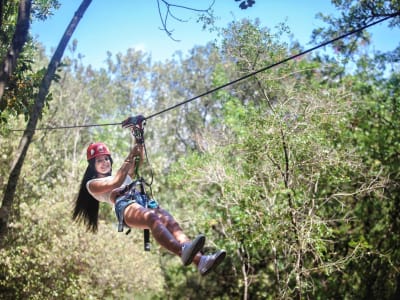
(294, 171)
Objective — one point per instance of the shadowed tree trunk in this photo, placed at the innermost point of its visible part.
(26, 139)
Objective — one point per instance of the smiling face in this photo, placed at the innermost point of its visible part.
(103, 165)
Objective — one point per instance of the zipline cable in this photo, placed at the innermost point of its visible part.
(273, 65)
(71, 126)
(234, 81)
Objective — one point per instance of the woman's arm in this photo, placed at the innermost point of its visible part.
(105, 186)
(118, 192)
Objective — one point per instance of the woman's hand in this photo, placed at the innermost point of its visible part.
(136, 150)
(118, 192)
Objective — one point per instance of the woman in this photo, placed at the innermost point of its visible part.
(98, 185)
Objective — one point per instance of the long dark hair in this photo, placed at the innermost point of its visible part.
(86, 207)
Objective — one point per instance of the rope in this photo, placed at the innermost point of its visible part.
(234, 81)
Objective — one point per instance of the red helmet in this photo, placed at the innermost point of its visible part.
(96, 149)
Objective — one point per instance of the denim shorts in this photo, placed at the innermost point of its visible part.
(120, 204)
(124, 201)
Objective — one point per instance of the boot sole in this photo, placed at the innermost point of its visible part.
(221, 256)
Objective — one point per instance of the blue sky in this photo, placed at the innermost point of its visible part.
(118, 25)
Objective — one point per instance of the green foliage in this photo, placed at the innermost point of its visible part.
(9, 19)
(43, 9)
(23, 87)
(53, 258)
(23, 84)
(353, 15)
(294, 172)
(287, 192)
(64, 261)
(374, 133)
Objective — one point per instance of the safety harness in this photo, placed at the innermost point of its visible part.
(136, 191)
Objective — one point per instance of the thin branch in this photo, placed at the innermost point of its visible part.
(169, 6)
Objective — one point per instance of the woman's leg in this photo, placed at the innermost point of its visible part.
(173, 226)
(140, 217)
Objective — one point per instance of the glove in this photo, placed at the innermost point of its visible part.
(136, 121)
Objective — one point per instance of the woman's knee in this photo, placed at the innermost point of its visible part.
(152, 218)
(171, 223)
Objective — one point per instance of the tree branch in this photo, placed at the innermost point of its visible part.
(169, 6)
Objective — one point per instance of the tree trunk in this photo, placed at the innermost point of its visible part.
(26, 139)
(9, 62)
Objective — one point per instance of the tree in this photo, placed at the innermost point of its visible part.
(33, 119)
(19, 83)
(46, 192)
(374, 136)
(355, 14)
(169, 13)
(9, 62)
(206, 15)
(293, 184)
